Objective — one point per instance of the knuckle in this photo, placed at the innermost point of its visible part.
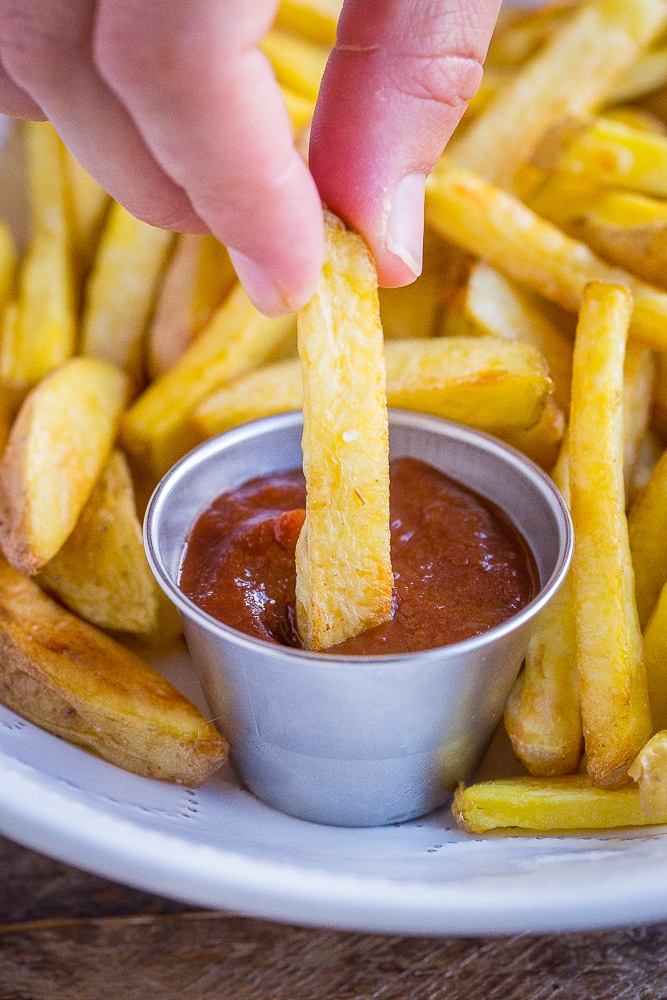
(449, 80)
(29, 49)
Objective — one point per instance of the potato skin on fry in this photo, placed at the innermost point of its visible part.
(69, 678)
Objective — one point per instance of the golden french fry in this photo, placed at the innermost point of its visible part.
(297, 63)
(198, 277)
(612, 677)
(482, 381)
(543, 714)
(649, 771)
(606, 153)
(101, 570)
(73, 680)
(121, 291)
(344, 579)
(502, 308)
(570, 802)
(576, 71)
(655, 652)
(57, 447)
(316, 20)
(155, 429)
(89, 205)
(520, 31)
(503, 231)
(39, 327)
(647, 530)
(542, 442)
(647, 75)
(638, 379)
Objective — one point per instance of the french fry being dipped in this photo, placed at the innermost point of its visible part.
(344, 579)
(612, 677)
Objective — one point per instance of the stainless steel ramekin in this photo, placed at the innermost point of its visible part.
(357, 741)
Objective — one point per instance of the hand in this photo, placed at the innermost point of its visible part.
(176, 112)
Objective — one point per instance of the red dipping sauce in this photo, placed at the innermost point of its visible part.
(460, 566)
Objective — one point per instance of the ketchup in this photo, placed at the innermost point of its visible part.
(460, 566)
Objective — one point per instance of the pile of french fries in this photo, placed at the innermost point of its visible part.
(540, 317)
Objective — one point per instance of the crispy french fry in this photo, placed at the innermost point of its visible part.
(500, 307)
(655, 653)
(69, 678)
(503, 231)
(414, 310)
(155, 429)
(649, 771)
(627, 229)
(612, 677)
(638, 378)
(198, 277)
(606, 153)
(316, 20)
(101, 570)
(543, 714)
(297, 63)
(344, 579)
(121, 291)
(542, 442)
(89, 205)
(647, 530)
(39, 327)
(562, 803)
(575, 72)
(57, 447)
(647, 75)
(482, 381)
(520, 32)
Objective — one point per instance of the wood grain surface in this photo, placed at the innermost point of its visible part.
(66, 934)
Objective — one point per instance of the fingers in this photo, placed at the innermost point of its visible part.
(45, 46)
(177, 113)
(393, 92)
(219, 126)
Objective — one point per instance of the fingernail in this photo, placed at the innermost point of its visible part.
(405, 222)
(263, 291)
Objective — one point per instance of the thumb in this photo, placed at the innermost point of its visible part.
(394, 90)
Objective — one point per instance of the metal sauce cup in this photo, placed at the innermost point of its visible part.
(367, 740)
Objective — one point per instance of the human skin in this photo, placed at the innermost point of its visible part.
(177, 113)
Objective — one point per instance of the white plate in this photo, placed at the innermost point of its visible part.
(218, 847)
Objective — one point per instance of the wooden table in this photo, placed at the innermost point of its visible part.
(66, 934)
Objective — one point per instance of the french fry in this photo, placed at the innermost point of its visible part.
(121, 291)
(638, 378)
(655, 650)
(89, 206)
(503, 231)
(155, 429)
(344, 579)
(649, 770)
(606, 153)
(542, 442)
(612, 677)
(297, 63)
(39, 326)
(74, 681)
(501, 308)
(57, 447)
(198, 277)
(647, 75)
(575, 72)
(647, 531)
(316, 20)
(627, 229)
(482, 381)
(543, 714)
(570, 802)
(101, 570)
